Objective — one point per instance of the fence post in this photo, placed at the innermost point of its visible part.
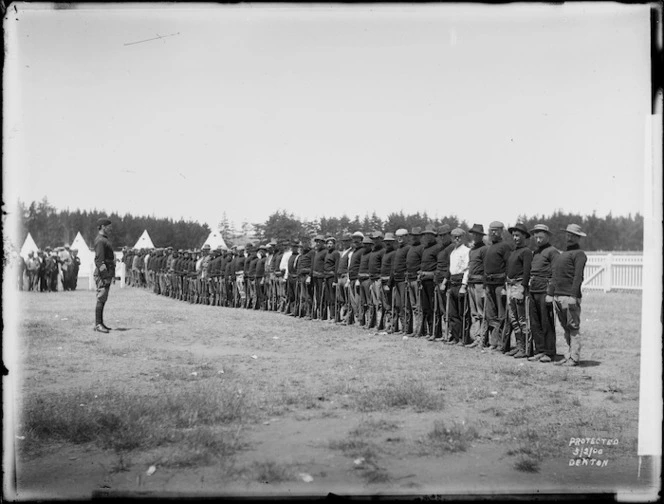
(608, 265)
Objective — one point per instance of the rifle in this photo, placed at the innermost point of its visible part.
(392, 312)
(298, 293)
(447, 315)
(322, 299)
(464, 305)
(337, 307)
(529, 334)
(435, 311)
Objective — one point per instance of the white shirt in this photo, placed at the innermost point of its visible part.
(459, 259)
(283, 265)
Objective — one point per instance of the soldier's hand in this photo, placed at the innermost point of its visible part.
(308, 280)
(548, 299)
(386, 288)
(462, 290)
(357, 283)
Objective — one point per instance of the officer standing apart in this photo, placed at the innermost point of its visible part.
(104, 271)
(567, 281)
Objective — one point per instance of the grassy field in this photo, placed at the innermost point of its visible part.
(190, 399)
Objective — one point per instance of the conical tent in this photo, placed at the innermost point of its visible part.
(215, 240)
(144, 242)
(28, 246)
(86, 255)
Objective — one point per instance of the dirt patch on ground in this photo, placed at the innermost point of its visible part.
(264, 404)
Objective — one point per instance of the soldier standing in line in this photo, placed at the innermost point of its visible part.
(343, 298)
(318, 276)
(399, 283)
(567, 281)
(364, 282)
(386, 285)
(305, 262)
(354, 260)
(292, 293)
(413, 264)
(441, 279)
(540, 301)
(282, 274)
(331, 279)
(75, 267)
(430, 250)
(104, 271)
(33, 271)
(476, 297)
(259, 275)
(375, 285)
(250, 274)
(495, 275)
(52, 270)
(518, 278)
(457, 286)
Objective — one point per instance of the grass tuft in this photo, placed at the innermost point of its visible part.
(408, 393)
(526, 464)
(454, 438)
(122, 420)
(271, 472)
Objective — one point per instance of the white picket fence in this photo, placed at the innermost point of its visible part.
(613, 271)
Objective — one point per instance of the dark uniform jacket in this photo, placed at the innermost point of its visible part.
(568, 272)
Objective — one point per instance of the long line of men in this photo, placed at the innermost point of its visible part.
(439, 284)
(48, 269)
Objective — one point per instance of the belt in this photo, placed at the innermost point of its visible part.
(496, 277)
(514, 281)
(472, 279)
(363, 276)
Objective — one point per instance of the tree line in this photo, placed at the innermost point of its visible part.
(49, 226)
(604, 233)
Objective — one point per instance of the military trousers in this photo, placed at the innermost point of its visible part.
(569, 315)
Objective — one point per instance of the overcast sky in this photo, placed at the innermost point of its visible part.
(486, 112)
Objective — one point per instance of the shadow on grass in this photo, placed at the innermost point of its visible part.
(589, 363)
(122, 329)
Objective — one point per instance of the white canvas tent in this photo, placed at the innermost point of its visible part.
(144, 242)
(28, 246)
(215, 240)
(86, 255)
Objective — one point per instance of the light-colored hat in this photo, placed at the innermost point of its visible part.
(540, 228)
(366, 239)
(429, 229)
(388, 237)
(358, 234)
(444, 229)
(401, 232)
(574, 229)
(457, 232)
(496, 225)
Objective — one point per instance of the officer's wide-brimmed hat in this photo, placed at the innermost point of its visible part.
(376, 234)
(389, 237)
(416, 231)
(401, 232)
(496, 225)
(429, 229)
(574, 229)
(66, 245)
(103, 221)
(366, 239)
(319, 237)
(346, 237)
(540, 228)
(520, 226)
(443, 230)
(240, 248)
(206, 246)
(477, 228)
(358, 234)
(331, 238)
(457, 232)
